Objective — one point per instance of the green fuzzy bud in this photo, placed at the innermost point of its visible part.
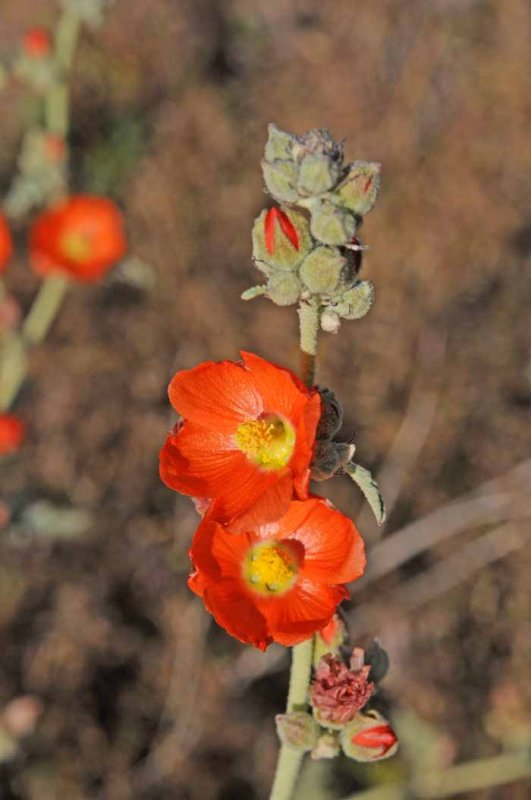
(280, 178)
(317, 174)
(369, 737)
(359, 190)
(327, 747)
(332, 225)
(355, 302)
(284, 288)
(321, 270)
(279, 252)
(298, 730)
(330, 321)
(279, 145)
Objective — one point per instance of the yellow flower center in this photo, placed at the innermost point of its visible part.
(270, 568)
(268, 442)
(76, 247)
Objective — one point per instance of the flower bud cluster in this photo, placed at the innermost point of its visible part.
(307, 247)
(340, 694)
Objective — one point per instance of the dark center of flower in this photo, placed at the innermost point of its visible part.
(270, 568)
(268, 441)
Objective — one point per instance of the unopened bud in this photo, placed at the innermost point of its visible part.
(298, 730)
(331, 224)
(281, 239)
(89, 11)
(369, 737)
(325, 462)
(284, 288)
(321, 270)
(330, 321)
(329, 639)
(279, 145)
(378, 660)
(36, 43)
(331, 414)
(355, 303)
(327, 746)
(280, 178)
(359, 190)
(317, 173)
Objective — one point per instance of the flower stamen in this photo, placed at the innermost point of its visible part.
(268, 442)
(270, 568)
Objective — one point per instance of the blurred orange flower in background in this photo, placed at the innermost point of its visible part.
(6, 244)
(82, 237)
(280, 581)
(12, 433)
(36, 42)
(246, 440)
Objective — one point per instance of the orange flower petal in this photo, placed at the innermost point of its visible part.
(216, 395)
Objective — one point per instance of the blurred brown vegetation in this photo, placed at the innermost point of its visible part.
(142, 697)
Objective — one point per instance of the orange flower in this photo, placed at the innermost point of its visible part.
(12, 433)
(81, 237)
(246, 440)
(6, 244)
(280, 581)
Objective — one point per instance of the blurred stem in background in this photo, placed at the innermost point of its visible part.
(52, 291)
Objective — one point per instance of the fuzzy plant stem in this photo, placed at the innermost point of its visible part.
(290, 759)
(309, 318)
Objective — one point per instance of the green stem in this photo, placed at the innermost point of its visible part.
(44, 309)
(309, 319)
(290, 759)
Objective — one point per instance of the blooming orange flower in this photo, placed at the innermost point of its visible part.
(12, 432)
(246, 440)
(81, 237)
(279, 581)
(6, 244)
(36, 42)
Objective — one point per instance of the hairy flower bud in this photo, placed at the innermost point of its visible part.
(321, 269)
(369, 737)
(325, 462)
(331, 414)
(337, 693)
(280, 178)
(279, 146)
(355, 303)
(281, 239)
(330, 321)
(283, 288)
(331, 224)
(327, 747)
(298, 730)
(359, 190)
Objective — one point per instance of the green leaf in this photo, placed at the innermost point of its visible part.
(254, 291)
(370, 490)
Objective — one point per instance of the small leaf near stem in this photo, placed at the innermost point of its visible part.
(369, 488)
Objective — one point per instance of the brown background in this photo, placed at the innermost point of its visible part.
(142, 696)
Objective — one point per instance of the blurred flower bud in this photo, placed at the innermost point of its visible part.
(329, 639)
(330, 321)
(89, 11)
(331, 414)
(358, 191)
(297, 729)
(378, 660)
(321, 270)
(337, 693)
(327, 746)
(12, 433)
(6, 244)
(21, 715)
(325, 461)
(355, 303)
(36, 43)
(283, 288)
(10, 313)
(369, 737)
(281, 240)
(331, 224)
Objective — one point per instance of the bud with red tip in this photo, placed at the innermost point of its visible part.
(369, 737)
(12, 433)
